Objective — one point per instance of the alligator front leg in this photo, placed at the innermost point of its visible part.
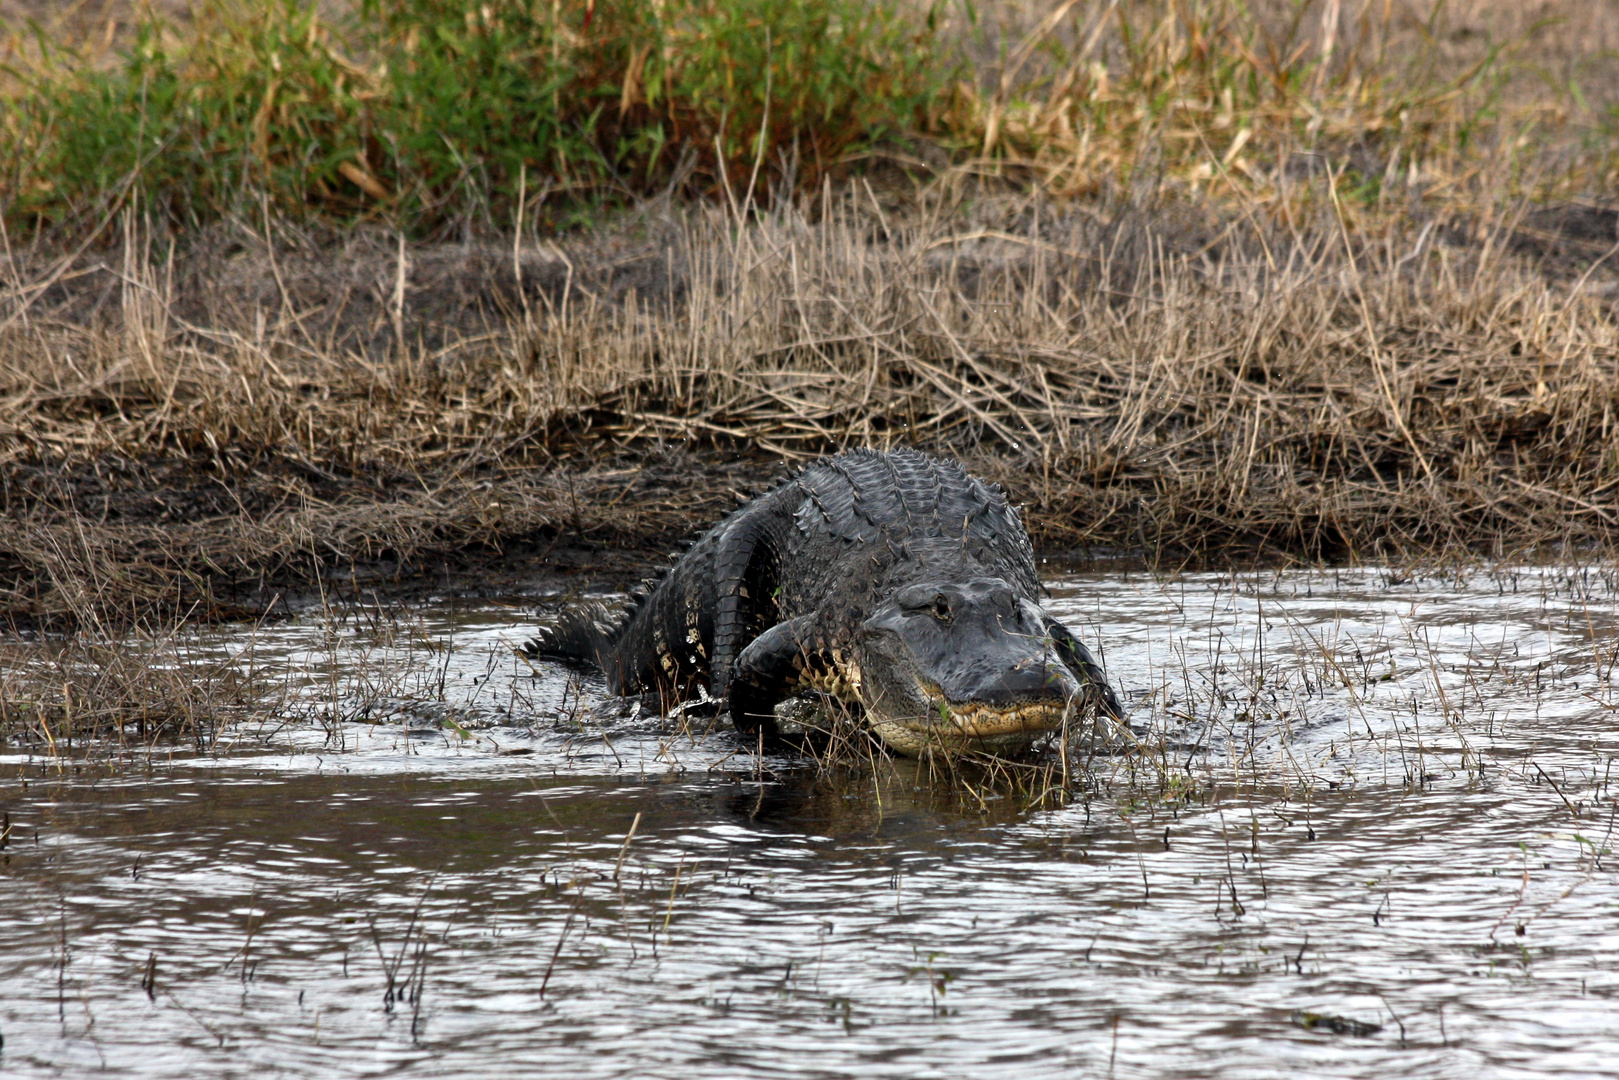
(1082, 663)
(769, 670)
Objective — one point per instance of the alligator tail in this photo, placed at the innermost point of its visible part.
(587, 632)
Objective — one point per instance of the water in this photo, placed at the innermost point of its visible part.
(1350, 797)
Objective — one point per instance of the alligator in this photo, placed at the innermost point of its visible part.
(892, 581)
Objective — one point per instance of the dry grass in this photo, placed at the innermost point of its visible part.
(1453, 102)
(1158, 381)
(128, 692)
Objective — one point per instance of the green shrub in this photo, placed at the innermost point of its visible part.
(434, 112)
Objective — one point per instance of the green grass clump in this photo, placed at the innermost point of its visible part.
(433, 113)
(449, 115)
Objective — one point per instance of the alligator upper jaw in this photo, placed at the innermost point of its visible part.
(971, 727)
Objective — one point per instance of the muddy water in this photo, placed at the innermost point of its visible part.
(1347, 799)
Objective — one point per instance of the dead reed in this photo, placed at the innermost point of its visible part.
(92, 693)
(175, 429)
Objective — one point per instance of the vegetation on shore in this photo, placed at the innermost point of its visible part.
(1185, 392)
(434, 114)
(444, 117)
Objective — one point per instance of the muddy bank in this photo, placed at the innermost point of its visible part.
(176, 535)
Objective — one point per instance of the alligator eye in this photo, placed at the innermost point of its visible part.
(941, 607)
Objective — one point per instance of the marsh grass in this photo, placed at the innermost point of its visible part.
(1434, 102)
(1320, 392)
(135, 693)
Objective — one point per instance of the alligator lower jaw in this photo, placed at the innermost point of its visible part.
(981, 728)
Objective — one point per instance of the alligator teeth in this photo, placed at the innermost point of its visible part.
(971, 728)
(983, 721)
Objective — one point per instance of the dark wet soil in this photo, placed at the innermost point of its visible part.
(604, 519)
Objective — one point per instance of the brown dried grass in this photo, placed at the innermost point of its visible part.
(131, 692)
(1164, 382)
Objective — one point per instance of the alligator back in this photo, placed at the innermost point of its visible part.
(869, 521)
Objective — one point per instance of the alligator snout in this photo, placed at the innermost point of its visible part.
(963, 664)
(1036, 676)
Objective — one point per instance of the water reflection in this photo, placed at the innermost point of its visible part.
(1381, 800)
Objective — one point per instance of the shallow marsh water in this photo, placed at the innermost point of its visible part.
(1349, 798)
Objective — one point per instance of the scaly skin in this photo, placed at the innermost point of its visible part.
(893, 581)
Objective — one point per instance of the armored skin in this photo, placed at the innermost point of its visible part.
(890, 580)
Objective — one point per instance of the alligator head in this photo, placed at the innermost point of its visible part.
(962, 666)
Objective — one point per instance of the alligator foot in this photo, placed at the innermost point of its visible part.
(804, 714)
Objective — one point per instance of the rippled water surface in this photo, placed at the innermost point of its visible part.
(1348, 799)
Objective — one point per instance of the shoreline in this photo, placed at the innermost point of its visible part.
(188, 434)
